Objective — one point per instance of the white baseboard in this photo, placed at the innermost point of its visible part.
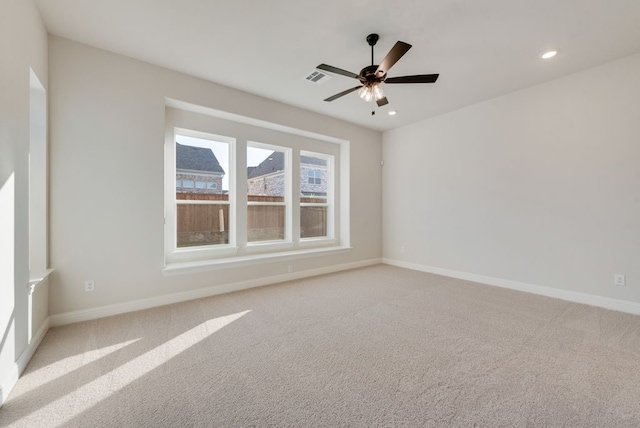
(571, 296)
(11, 378)
(136, 305)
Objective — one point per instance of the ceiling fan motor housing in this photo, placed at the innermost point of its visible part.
(368, 75)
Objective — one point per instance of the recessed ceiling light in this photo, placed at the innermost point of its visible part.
(393, 113)
(549, 54)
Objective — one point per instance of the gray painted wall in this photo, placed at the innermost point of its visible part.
(103, 105)
(540, 186)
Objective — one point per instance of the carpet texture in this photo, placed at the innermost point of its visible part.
(378, 346)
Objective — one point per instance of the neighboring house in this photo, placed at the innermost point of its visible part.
(268, 178)
(197, 170)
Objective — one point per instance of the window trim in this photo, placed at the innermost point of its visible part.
(330, 198)
(198, 119)
(38, 177)
(288, 202)
(173, 253)
(197, 266)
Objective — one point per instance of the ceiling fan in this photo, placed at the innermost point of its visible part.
(372, 75)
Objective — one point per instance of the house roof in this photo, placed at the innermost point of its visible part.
(275, 162)
(197, 159)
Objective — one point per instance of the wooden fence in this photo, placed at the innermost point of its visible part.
(208, 224)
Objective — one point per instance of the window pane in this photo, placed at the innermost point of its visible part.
(265, 222)
(202, 225)
(202, 166)
(313, 221)
(314, 189)
(266, 182)
(313, 176)
(265, 172)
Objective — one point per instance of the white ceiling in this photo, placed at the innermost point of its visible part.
(481, 48)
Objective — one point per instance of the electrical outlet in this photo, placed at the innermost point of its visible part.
(89, 285)
(619, 280)
(401, 250)
(290, 268)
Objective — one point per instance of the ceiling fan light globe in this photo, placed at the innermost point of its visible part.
(365, 93)
(371, 92)
(378, 94)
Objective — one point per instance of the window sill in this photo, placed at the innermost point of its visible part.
(37, 278)
(186, 254)
(253, 247)
(320, 241)
(247, 260)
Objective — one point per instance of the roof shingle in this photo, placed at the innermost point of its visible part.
(197, 159)
(275, 162)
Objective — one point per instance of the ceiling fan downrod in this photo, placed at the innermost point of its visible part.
(372, 39)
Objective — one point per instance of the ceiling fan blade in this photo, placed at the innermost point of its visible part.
(382, 102)
(420, 78)
(343, 93)
(337, 70)
(396, 52)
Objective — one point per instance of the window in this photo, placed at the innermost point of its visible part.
(256, 200)
(315, 195)
(202, 218)
(178, 184)
(268, 190)
(37, 195)
(315, 177)
(37, 176)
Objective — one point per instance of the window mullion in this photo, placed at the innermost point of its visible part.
(241, 203)
(295, 196)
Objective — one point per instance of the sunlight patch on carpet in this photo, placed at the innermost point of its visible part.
(94, 391)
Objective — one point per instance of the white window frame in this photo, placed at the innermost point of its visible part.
(242, 131)
(330, 198)
(173, 253)
(288, 210)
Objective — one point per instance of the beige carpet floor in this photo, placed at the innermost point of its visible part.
(379, 346)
